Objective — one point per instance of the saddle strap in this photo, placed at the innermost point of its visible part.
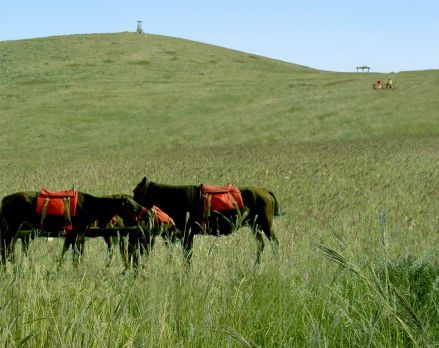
(209, 204)
(67, 214)
(43, 212)
(67, 210)
(235, 203)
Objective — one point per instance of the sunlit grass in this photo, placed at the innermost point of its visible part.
(355, 171)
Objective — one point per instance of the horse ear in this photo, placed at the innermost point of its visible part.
(144, 180)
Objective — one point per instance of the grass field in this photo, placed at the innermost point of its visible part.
(355, 171)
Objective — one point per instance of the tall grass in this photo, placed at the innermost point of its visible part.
(355, 171)
(296, 298)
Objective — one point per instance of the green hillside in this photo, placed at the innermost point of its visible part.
(155, 91)
(355, 171)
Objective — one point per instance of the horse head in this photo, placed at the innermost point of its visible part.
(140, 190)
(131, 211)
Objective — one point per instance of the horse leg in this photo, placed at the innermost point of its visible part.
(71, 240)
(110, 252)
(266, 225)
(3, 231)
(188, 241)
(78, 250)
(6, 250)
(147, 243)
(68, 241)
(272, 238)
(123, 248)
(26, 238)
(171, 235)
(3, 244)
(133, 250)
(261, 245)
(138, 243)
(25, 241)
(2, 251)
(11, 249)
(137, 247)
(168, 240)
(8, 240)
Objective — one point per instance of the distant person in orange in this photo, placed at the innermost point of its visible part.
(378, 85)
(389, 83)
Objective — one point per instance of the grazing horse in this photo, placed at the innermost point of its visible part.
(155, 223)
(187, 207)
(19, 210)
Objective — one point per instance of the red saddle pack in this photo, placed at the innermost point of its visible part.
(61, 203)
(221, 198)
(161, 217)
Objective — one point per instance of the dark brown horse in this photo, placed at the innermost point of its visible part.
(138, 244)
(186, 206)
(18, 211)
(155, 223)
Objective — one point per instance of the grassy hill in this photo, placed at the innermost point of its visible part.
(354, 169)
(104, 88)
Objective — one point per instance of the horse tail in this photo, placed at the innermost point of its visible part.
(277, 211)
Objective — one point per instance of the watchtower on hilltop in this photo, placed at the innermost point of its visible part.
(139, 28)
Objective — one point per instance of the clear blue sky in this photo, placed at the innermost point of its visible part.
(387, 35)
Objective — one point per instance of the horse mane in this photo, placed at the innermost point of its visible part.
(118, 196)
(153, 187)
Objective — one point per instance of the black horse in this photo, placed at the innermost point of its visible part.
(154, 223)
(187, 207)
(18, 211)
